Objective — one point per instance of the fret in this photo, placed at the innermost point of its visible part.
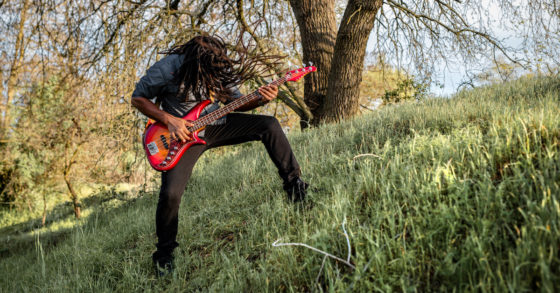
(202, 122)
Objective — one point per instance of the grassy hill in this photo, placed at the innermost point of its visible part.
(460, 193)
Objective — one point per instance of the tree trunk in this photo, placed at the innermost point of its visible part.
(74, 196)
(317, 26)
(14, 70)
(346, 71)
(73, 193)
(44, 218)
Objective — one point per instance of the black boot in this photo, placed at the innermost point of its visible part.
(163, 264)
(296, 190)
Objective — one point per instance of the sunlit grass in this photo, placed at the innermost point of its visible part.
(445, 194)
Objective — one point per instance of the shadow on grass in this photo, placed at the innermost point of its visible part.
(19, 238)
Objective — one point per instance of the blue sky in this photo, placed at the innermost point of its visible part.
(448, 76)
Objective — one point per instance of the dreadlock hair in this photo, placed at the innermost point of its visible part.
(207, 68)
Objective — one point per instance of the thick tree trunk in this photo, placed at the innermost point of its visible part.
(317, 26)
(348, 62)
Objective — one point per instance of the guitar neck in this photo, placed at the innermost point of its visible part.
(230, 107)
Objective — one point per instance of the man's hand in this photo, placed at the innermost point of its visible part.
(178, 128)
(268, 92)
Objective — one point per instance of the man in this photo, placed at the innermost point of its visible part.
(190, 73)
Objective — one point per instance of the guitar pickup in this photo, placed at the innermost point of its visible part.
(164, 141)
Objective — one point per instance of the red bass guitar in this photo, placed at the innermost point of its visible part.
(164, 152)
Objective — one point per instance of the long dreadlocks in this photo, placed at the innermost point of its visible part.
(207, 68)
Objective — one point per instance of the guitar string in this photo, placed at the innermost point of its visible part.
(211, 117)
(202, 122)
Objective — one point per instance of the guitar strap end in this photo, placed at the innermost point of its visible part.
(150, 122)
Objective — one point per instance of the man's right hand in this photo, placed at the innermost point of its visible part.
(178, 128)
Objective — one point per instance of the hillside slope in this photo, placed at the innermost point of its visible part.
(444, 194)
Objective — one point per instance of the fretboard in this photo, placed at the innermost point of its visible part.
(230, 107)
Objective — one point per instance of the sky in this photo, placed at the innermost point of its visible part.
(446, 79)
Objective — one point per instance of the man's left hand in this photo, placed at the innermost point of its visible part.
(268, 93)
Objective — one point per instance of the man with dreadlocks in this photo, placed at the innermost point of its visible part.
(190, 73)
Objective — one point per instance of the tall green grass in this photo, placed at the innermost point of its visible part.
(447, 194)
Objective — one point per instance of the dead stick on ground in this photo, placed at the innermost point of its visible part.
(346, 262)
(366, 155)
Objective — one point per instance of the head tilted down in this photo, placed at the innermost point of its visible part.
(208, 67)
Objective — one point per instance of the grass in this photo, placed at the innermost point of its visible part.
(448, 194)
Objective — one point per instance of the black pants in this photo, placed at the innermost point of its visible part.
(238, 128)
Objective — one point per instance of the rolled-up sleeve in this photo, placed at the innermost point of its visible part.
(151, 84)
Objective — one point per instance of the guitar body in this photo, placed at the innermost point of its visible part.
(164, 153)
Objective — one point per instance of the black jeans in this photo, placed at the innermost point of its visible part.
(238, 128)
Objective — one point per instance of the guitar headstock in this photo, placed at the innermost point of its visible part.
(297, 74)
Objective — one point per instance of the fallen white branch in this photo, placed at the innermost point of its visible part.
(346, 262)
(367, 155)
(347, 241)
